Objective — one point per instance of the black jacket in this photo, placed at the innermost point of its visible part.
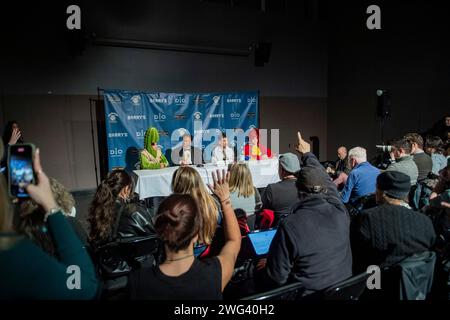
(386, 234)
(312, 245)
(135, 220)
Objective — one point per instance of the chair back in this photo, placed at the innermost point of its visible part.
(350, 289)
(293, 291)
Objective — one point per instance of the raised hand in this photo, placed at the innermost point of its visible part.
(15, 136)
(302, 146)
(220, 185)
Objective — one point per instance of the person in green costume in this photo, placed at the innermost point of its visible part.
(151, 157)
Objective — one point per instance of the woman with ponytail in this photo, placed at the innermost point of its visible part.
(113, 214)
(182, 276)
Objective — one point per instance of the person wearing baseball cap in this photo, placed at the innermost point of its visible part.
(312, 244)
(279, 197)
(392, 231)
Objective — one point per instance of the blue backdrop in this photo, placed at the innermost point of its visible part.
(129, 114)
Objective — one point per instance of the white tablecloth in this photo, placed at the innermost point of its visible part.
(156, 183)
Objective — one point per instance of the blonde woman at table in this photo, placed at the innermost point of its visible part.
(151, 157)
(243, 194)
(186, 180)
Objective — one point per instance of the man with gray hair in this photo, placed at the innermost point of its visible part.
(362, 179)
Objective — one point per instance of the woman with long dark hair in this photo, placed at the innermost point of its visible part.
(114, 214)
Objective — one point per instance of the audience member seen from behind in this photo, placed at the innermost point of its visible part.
(441, 192)
(30, 222)
(421, 159)
(26, 271)
(392, 231)
(281, 196)
(312, 244)
(187, 180)
(435, 148)
(243, 194)
(113, 213)
(362, 179)
(182, 276)
(402, 161)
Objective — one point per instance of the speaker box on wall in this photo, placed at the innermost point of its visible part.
(262, 53)
(383, 103)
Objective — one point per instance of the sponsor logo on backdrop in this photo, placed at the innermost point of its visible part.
(137, 117)
(159, 117)
(158, 100)
(202, 131)
(216, 115)
(114, 98)
(197, 116)
(115, 153)
(251, 114)
(113, 117)
(216, 100)
(180, 116)
(181, 100)
(234, 100)
(199, 100)
(117, 135)
(140, 134)
(235, 115)
(136, 100)
(251, 100)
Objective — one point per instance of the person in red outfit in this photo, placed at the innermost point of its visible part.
(254, 150)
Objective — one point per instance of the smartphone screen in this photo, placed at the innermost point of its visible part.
(20, 168)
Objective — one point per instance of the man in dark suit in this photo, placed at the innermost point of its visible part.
(186, 154)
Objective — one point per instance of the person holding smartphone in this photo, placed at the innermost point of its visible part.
(26, 271)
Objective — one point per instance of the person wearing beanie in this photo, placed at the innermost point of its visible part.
(151, 157)
(392, 231)
(281, 196)
(312, 244)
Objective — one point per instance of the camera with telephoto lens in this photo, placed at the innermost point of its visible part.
(385, 148)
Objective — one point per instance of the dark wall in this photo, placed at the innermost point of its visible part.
(43, 56)
(409, 57)
(48, 73)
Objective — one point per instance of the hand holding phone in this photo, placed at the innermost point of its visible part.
(41, 193)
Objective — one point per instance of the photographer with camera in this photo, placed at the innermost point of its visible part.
(402, 161)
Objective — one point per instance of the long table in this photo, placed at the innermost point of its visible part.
(156, 183)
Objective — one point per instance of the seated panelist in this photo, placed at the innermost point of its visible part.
(186, 154)
(151, 157)
(222, 153)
